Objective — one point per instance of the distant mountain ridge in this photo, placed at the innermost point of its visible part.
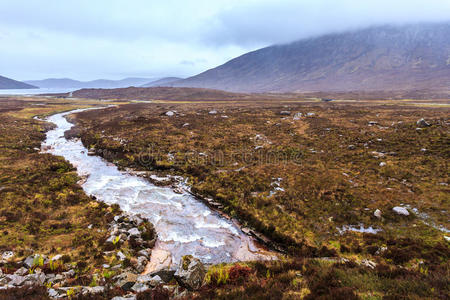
(8, 83)
(166, 81)
(99, 83)
(409, 57)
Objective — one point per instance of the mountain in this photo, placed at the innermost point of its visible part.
(408, 57)
(7, 83)
(166, 81)
(100, 83)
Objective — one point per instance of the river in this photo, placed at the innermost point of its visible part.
(184, 224)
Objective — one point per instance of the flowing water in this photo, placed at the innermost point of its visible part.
(183, 223)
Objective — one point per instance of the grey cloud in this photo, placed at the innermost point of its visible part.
(270, 22)
(88, 39)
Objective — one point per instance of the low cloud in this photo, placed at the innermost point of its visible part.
(117, 38)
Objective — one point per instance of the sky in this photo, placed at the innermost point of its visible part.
(114, 39)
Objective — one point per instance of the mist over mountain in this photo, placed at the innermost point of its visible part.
(7, 83)
(99, 83)
(408, 57)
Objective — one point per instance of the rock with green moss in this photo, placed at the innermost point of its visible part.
(190, 273)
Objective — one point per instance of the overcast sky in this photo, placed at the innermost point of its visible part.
(90, 39)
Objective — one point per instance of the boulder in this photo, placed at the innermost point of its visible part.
(401, 211)
(422, 123)
(190, 273)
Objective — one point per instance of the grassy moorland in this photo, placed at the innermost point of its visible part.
(43, 210)
(302, 180)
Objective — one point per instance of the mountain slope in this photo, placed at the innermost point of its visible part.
(99, 83)
(162, 82)
(407, 57)
(7, 83)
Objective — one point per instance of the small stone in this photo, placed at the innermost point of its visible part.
(298, 116)
(7, 255)
(368, 263)
(170, 113)
(143, 252)
(134, 232)
(186, 124)
(351, 147)
(56, 257)
(382, 164)
(52, 293)
(422, 123)
(121, 256)
(285, 113)
(401, 211)
(139, 287)
(21, 272)
(377, 213)
(213, 112)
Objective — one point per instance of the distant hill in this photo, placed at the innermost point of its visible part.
(100, 83)
(158, 93)
(410, 57)
(7, 83)
(162, 82)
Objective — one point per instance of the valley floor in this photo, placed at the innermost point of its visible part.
(354, 193)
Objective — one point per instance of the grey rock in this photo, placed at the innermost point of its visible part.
(150, 280)
(422, 123)
(69, 274)
(111, 239)
(52, 293)
(401, 211)
(170, 113)
(16, 280)
(22, 271)
(141, 263)
(125, 280)
(351, 147)
(134, 232)
(285, 113)
(298, 116)
(377, 213)
(56, 257)
(7, 255)
(190, 273)
(213, 112)
(368, 263)
(165, 274)
(127, 297)
(121, 256)
(139, 287)
(144, 252)
(29, 262)
(34, 279)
